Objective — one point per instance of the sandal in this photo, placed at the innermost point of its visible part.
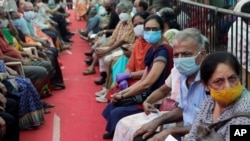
(48, 105)
(89, 71)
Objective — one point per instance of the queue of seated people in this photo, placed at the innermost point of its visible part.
(43, 26)
(147, 60)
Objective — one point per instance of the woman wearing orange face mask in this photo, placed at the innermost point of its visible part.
(220, 73)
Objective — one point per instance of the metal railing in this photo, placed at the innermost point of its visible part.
(226, 30)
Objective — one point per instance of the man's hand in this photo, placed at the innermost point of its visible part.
(25, 62)
(101, 52)
(3, 88)
(2, 127)
(3, 100)
(3, 75)
(116, 97)
(34, 57)
(161, 136)
(148, 107)
(146, 129)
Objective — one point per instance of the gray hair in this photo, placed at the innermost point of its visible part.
(206, 43)
(191, 33)
(25, 4)
(123, 5)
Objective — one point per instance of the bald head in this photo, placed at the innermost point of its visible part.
(27, 6)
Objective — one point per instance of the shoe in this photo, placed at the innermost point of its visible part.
(70, 34)
(102, 99)
(100, 81)
(107, 136)
(102, 92)
(89, 71)
(84, 37)
(47, 105)
(88, 61)
(81, 32)
(89, 53)
(67, 40)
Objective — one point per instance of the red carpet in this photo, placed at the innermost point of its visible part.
(76, 115)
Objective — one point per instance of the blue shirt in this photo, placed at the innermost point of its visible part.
(27, 27)
(191, 98)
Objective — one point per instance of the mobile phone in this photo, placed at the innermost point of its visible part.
(124, 48)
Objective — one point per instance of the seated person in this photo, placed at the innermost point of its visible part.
(227, 97)
(94, 22)
(188, 48)
(56, 16)
(25, 26)
(123, 34)
(110, 6)
(157, 62)
(127, 126)
(37, 71)
(23, 90)
(135, 66)
(9, 122)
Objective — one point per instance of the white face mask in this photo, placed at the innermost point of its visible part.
(4, 23)
(139, 30)
(29, 15)
(124, 17)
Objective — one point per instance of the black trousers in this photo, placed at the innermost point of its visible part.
(62, 24)
(11, 119)
(57, 77)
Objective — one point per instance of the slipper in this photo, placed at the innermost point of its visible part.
(58, 87)
(89, 71)
(48, 105)
(46, 111)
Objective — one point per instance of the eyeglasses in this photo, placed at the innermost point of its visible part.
(151, 29)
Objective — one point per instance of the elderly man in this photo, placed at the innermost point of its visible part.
(25, 24)
(123, 34)
(188, 50)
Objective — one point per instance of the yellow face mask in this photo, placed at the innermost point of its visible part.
(227, 96)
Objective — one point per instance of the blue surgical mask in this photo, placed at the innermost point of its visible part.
(152, 37)
(17, 23)
(186, 66)
(29, 15)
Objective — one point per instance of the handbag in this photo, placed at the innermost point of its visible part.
(137, 99)
(206, 132)
(168, 104)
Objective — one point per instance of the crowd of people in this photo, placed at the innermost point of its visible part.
(159, 79)
(43, 26)
(147, 58)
